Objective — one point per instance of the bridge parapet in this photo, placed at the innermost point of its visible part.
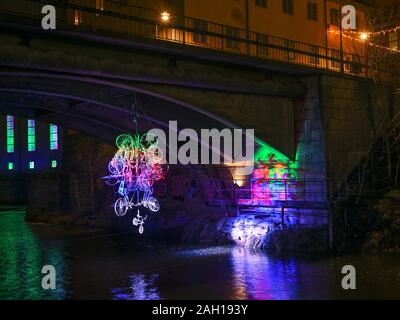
(130, 22)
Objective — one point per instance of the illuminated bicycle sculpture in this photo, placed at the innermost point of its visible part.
(135, 167)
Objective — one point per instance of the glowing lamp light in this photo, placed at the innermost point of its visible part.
(364, 36)
(165, 16)
(239, 182)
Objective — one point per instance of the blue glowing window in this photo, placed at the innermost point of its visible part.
(31, 135)
(53, 137)
(10, 134)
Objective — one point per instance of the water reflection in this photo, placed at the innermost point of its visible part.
(22, 257)
(112, 266)
(142, 288)
(257, 276)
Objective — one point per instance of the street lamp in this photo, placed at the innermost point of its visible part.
(165, 16)
(364, 36)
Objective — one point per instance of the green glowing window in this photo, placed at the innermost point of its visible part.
(10, 134)
(53, 137)
(31, 165)
(54, 163)
(10, 166)
(31, 135)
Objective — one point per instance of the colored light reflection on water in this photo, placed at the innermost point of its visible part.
(142, 288)
(257, 277)
(115, 266)
(22, 257)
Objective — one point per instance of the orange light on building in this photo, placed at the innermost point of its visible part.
(77, 17)
(364, 36)
(165, 16)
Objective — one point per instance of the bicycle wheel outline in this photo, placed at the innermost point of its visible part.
(121, 207)
(153, 204)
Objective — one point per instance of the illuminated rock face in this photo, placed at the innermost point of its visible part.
(265, 232)
(253, 231)
(250, 232)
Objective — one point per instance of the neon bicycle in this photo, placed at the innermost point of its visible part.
(139, 221)
(135, 167)
(138, 199)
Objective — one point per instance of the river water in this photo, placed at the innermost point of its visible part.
(98, 265)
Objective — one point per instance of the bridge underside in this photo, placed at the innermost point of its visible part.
(90, 89)
(96, 108)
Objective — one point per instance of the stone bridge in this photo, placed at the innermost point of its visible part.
(87, 82)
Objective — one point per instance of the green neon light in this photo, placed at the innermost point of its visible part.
(266, 153)
(54, 163)
(31, 165)
(31, 135)
(53, 137)
(10, 166)
(10, 134)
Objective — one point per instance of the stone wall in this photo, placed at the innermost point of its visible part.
(247, 97)
(350, 120)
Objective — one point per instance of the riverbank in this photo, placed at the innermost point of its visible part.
(370, 224)
(249, 231)
(55, 218)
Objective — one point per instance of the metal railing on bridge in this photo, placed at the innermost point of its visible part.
(129, 22)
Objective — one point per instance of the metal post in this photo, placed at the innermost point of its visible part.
(326, 34)
(285, 189)
(247, 27)
(341, 39)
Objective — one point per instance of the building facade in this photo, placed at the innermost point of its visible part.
(296, 31)
(299, 20)
(29, 146)
(306, 32)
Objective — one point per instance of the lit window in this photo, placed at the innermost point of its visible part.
(288, 6)
(54, 163)
(393, 40)
(10, 134)
(261, 3)
(31, 135)
(312, 11)
(77, 17)
(10, 166)
(99, 6)
(53, 137)
(31, 165)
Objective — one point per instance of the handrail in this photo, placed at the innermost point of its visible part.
(217, 36)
